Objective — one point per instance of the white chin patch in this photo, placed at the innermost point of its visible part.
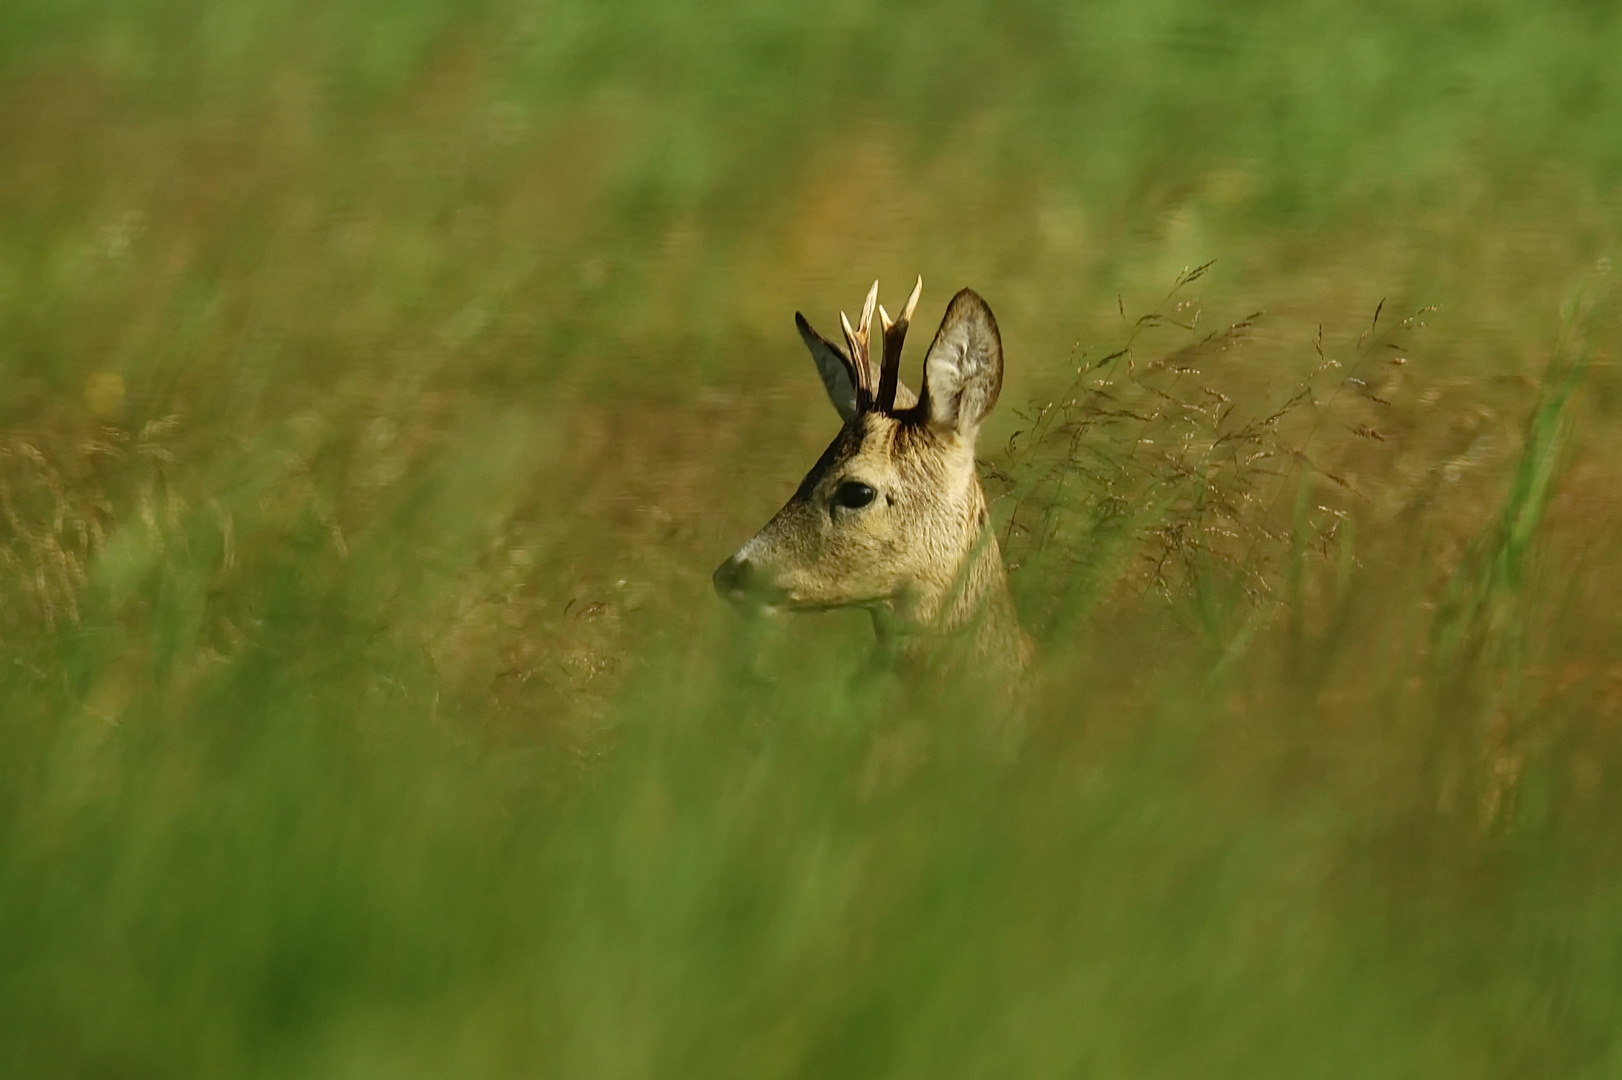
(753, 606)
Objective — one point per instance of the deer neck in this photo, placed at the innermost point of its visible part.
(971, 611)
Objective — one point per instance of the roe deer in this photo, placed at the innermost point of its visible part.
(892, 518)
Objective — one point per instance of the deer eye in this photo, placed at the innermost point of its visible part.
(853, 494)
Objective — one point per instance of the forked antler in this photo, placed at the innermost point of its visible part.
(855, 358)
(858, 341)
(895, 334)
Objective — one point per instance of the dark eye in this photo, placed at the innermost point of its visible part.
(852, 494)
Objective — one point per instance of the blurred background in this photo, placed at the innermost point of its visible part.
(381, 382)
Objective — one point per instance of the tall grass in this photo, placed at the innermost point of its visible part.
(378, 387)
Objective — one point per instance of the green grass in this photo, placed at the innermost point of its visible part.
(380, 383)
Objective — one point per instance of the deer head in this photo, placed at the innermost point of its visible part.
(892, 517)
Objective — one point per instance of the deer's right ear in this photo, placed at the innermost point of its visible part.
(833, 364)
(963, 370)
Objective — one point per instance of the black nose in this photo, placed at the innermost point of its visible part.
(732, 577)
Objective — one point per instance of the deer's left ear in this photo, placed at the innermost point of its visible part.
(963, 371)
(833, 365)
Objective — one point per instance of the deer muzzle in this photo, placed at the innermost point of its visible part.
(743, 583)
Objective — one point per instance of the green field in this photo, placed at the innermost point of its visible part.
(381, 382)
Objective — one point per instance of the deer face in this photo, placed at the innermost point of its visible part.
(888, 514)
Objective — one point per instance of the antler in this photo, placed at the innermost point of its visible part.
(858, 340)
(895, 334)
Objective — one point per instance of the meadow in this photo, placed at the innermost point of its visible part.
(381, 382)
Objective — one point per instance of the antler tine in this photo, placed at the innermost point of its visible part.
(859, 353)
(895, 335)
(858, 362)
